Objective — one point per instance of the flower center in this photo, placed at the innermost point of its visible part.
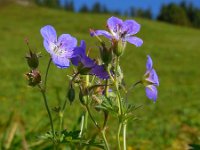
(58, 51)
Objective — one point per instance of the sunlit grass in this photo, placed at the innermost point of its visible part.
(174, 50)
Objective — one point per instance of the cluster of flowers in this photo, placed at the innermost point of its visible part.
(65, 50)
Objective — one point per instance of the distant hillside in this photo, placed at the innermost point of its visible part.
(175, 52)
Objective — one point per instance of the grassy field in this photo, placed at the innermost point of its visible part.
(170, 124)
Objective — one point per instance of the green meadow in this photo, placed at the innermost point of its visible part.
(171, 123)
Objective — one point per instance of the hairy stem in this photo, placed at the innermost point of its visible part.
(94, 121)
(124, 135)
(105, 140)
(118, 136)
(47, 108)
(46, 74)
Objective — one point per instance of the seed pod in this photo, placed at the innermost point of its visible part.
(71, 95)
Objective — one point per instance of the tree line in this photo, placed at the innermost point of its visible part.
(181, 14)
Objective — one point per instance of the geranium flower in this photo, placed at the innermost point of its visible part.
(150, 80)
(120, 30)
(82, 59)
(60, 49)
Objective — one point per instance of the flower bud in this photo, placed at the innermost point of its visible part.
(118, 47)
(71, 94)
(32, 60)
(34, 77)
(106, 54)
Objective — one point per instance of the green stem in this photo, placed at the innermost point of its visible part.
(105, 140)
(86, 120)
(117, 87)
(60, 122)
(124, 135)
(86, 113)
(107, 88)
(95, 123)
(47, 71)
(108, 70)
(43, 91)
(82, 125)
(48, 110)
(118, 136)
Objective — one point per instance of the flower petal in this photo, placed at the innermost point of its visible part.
(130, 27)
(154, 77)
(49, 33)
(48, 46)
(75, 60)
(151, 92)
(83, 45)
(134, 40)
(60, 62)
(114, 24)
(149, 64)
(87, 62)
(101, 32)
(100, 72)
(67, 42)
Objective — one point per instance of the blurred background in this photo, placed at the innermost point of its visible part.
(171, 35)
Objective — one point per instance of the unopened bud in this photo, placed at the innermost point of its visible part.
(34, 77)
(71, 95)
(106, 54)
(32, 60)
(118, 47)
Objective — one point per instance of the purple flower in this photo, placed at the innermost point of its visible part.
(121, 30)
(60, 49)
(100, 71)
(82, 59)
(150, 80)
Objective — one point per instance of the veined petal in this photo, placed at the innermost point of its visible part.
(48, 46)
(61, 62)
(130, 27)
(67, 42)
(151, 92)
(114, 24)
(101, 32)
(134, 40)
(154, 77)
(49, 33)
(149, 64)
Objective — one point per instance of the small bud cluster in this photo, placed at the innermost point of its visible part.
(33, 76)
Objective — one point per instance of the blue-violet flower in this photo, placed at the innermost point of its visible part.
(61, 49)
(86, 62)
(150, 80)
(120, 31)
